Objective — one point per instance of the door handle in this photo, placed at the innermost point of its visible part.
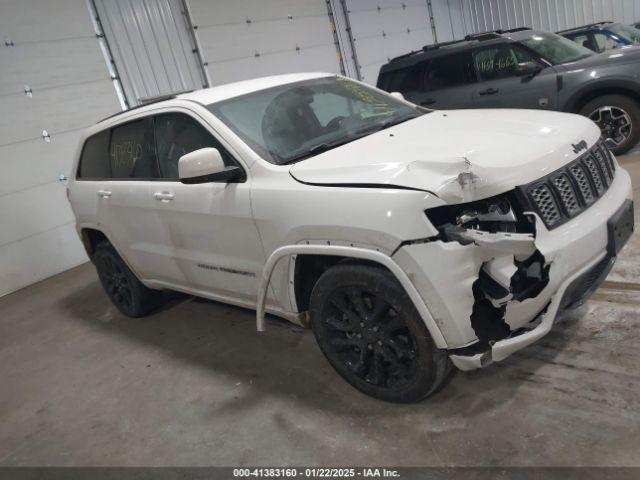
(489, 91)
(427, 101)
(163, 196)
(104, 193)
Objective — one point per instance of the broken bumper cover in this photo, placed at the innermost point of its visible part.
(579, 254)
(575, 290)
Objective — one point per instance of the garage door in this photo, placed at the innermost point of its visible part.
(152, 45)
(385, 29)
(53, 83)
(243, 39)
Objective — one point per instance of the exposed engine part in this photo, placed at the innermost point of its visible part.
(531, 277)
(495, 279)
(501, 280)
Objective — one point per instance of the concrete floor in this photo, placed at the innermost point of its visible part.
(195, 384)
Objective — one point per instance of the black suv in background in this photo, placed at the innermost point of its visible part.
(525, 68)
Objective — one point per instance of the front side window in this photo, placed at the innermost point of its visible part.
(449, 71)
(132, 152)
(94, 161)
(500, 61)
(291, 122)
(555, 49)
(178, 134)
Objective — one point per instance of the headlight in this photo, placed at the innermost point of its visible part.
(495, 214)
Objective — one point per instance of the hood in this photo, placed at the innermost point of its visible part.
(459, 155)
(626, 54)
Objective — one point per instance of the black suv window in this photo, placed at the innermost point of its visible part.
(403, 80)
(499, 61)
(178, 134)
(132, 150)
(94, 162)
(449, 71)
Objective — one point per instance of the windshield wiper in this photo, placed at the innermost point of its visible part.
(320, 148)
(323, 147)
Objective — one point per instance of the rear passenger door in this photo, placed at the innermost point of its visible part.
(446, 82)
(123, 197)
(500, 85)
(204, 235)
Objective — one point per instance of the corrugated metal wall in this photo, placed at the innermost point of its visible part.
(474, 16)
(153, 46)
(52, 77)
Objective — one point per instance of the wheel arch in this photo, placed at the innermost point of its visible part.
(613, 87)
(335, 254)
(91, 237)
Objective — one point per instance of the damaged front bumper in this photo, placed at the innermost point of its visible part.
(575, 290)
(557, 268)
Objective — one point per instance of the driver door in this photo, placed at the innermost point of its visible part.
(205, 235)
(500, 86)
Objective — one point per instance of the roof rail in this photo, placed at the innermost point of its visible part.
(435, 46)
(160, 98)
(484, 35)
(590, 25)
(144, 101)
(517, 29)
(474, 37)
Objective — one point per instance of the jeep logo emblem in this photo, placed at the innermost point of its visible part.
(578, 147)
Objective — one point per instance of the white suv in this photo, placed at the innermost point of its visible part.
(409, 239)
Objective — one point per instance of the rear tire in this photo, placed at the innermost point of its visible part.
(124, 289)
(618, 117)
(371, 333)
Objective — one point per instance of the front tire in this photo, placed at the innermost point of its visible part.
(618, 117)
(371, 333)
(124, 289)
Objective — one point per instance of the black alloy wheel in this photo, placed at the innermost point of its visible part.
(124, 289)
(372, 335)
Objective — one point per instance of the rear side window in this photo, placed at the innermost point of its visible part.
(132, 151)
(403, 80)
(94, 162)
(449, 71)
(178, 134)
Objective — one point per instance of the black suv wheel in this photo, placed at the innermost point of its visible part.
(618, 117)
(371, 333)
(126, 292)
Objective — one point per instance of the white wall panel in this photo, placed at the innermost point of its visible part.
(243, 39)
(551, 15)
(56, 53)
(385, 29)
(23, 166)
(34, 258)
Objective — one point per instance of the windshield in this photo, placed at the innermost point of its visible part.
(629, 34)
(291, 122)
(556, 49)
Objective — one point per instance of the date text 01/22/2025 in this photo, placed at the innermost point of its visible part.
(292, 472)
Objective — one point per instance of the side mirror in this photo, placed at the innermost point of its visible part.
(397, 95)
(205, 165)
(528, 69)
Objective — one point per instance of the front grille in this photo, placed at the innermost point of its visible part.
(569, 191)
